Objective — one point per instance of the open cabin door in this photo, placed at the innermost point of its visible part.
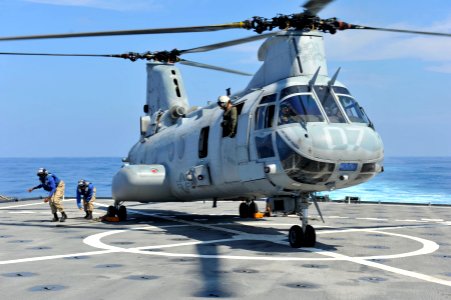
(235, 152)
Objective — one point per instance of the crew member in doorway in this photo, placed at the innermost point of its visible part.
(55, 187)
(230, 116)
(88, 191)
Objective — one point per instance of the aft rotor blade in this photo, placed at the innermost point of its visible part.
(400, 30)
(56, 54)
(313, 7)
(228, 43)
(128, 32)
(205, 66)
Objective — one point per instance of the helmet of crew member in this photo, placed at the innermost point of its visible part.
(223, 100)
(82, 183)
(285, 108)
(42, 172)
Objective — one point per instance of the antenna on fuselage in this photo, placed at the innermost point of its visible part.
(334, 78)
(312, 81)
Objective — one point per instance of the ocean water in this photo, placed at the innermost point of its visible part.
(406, 179)
(17, 175)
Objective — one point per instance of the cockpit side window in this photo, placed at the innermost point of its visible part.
(353, 109)
(264, 115)
(299, 109)
(330, 106)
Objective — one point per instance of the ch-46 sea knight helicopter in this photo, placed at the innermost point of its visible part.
(327, 142)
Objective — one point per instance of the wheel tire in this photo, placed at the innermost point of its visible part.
(296, 236)
(252, 208)
(122, 213)
(111, 211)
(309, 236)
(244, 210)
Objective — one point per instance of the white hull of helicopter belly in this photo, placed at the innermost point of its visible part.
(151, 183)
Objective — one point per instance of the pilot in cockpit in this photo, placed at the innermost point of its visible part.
(286, 115)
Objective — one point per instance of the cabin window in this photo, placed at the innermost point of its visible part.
(203, 142)
(299, 109)
(329, 104)
(264, 117)
(353, 110)
(264, 146)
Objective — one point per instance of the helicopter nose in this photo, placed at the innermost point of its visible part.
(349, 142)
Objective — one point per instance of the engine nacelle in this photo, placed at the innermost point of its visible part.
(142, 183)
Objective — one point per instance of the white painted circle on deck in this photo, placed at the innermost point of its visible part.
(95, 241)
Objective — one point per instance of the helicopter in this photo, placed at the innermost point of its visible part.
(182, 155)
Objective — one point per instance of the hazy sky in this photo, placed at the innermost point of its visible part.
(91, 106)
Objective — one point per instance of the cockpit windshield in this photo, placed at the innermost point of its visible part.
(299, 109)
(329, 104)
(353, 110)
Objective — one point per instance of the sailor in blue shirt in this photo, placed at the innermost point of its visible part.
(55, 187)
(88, 191)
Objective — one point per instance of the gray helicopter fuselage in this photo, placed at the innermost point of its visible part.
(326, 155)
(326, 143)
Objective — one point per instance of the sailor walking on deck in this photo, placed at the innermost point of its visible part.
(55, 187)
(88, 191)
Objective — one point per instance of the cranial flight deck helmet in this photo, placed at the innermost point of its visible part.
(82, 183)
(223, 100)
(42, 172)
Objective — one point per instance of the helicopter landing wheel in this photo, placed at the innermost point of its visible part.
(248, 209)
(309, 236)
(243, 210)
(253, 208)
(122, 213)
(111, 211)
(296, 236)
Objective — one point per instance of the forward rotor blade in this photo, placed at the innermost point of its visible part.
(128, 32)
(313, 7)
(228, 43)
(400, 30)
(205, 66)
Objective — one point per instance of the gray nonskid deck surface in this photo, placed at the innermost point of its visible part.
(191, 250)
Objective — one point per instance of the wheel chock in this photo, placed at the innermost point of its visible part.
(110, 219)
(259, 215)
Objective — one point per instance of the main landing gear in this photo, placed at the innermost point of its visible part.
(117, 210)
(304, 236)
(248, 208)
